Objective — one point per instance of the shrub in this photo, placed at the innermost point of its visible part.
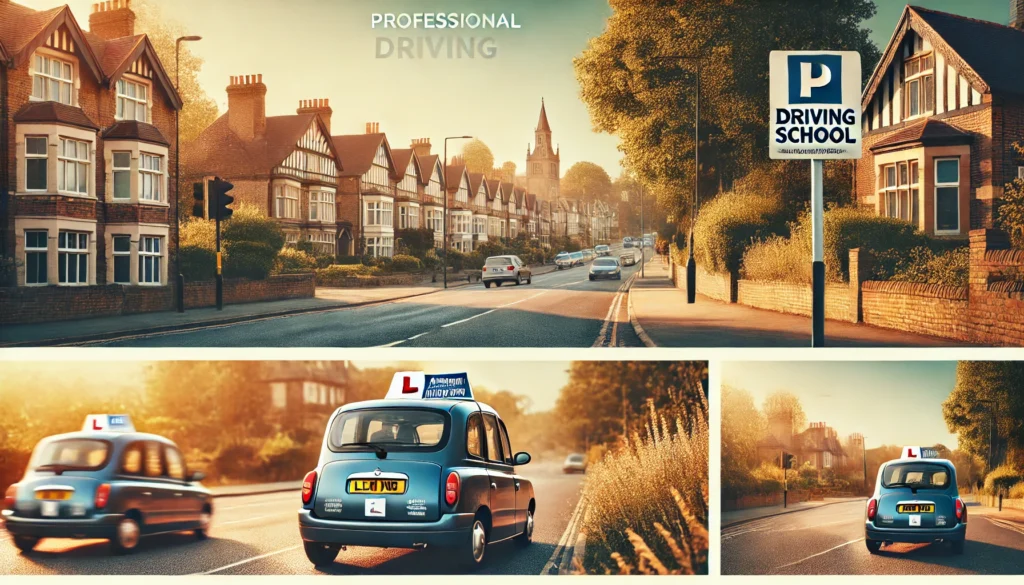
(253, 260)
(348, 260)
(198, 263)
(336, 274)
(249, 224)
(294, 261)
(404, 263)
(198, 232)
(1010, 213)
(729, 223)
(305, 246)
(234, 460)
(1001, 479)
(417, 240)
(456, 260)
(1017, 491)
(283, 458)
(922, 264)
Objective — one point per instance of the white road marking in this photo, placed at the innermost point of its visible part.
(819, 554)
(1005, 524)
(468, 318)
(611, 319)
(418, 335)
(393, 343)
(250, 559)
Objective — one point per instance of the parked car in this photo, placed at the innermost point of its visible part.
(588, 255)
(605, 268)
(426, 466)
(106, 481)
(499, 269)
(578, 259)
(602, 250)
(916, 500)
(627, 259)
(574, 463)
(563, 260)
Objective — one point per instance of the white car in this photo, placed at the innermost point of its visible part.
(499, 269)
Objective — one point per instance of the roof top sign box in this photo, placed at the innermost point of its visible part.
(109, 422)
(815, 105)
(421, 386)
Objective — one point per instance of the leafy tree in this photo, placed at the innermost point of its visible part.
(587, 181)
(1010, 213)
(987, 392)
(783, 403)
(478, 156)
(742, 427)
(417, 240)
(506, 172)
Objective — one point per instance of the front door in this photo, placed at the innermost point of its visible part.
(503, 490)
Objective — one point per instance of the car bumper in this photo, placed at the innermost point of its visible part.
(498, 277)
(605, 274)
(915, 535)
(450, 530)
(102, 526)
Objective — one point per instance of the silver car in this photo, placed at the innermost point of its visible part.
(575, 463)
(605, 268)
(499, 269)
(603, 250)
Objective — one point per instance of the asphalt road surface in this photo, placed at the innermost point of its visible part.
(830, 540)
(559, 309)
(259, 535)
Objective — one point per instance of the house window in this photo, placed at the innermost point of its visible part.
(379, 213)
(381, 246)
(278, 394)
(52, 80)
(899, 195)
(291, 240)
(122, 259)
(287, 201)
(131, 101)
(72, 258)
(919, 82)
(1020, 173)
(122, 175)
(150, 258)
(151, 175)
(73, 167)
(947, 195)
(323, 242)
(35, 257)
(403, 217)
(35, 163)
(321, 206)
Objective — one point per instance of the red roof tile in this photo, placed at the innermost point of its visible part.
(402, 156)
(493, 188)
(54, 112)
(356, 152)
(220, 151)
(474, 183)
(19, 24)
(928, 132)
(132, 130)
(454, 178)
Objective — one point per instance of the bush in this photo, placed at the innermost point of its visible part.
(251, 243)
(198, 263)
(1001, 479)
(729, 223)
(198, 232)
(294, 261)
(923, 265)
(456, 260)
(234, 461)
(404, 263)
(284, 459)
(253, 260)
(417, 240)
(1010, 213)
(348, 260)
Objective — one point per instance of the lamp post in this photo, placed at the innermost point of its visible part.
(180, 293)
(643, 238)
(444, 229)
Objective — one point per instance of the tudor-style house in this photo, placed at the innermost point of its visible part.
(407, 195)
(544, 207)
(87, 138)
(286, 166)
(432, 194)
(941, 112)
(478, 186)
(367, 187)
(460, 214)
(495, 188)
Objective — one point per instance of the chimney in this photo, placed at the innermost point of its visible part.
(1017, 14)
(112, 19)
(320, 106)
(247, 109)
(373, 127)
(421, 146)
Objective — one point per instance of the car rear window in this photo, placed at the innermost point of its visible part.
(916, 475)
(498, 261)
(394, 429)
(82, 454)
(577, 254)
(576, 458)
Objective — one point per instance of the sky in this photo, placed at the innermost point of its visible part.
(309, 49)
(890, 403)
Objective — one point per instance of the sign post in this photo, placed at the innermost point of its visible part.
(815, 115)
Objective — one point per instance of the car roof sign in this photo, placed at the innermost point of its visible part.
(421, 386)
(119, 423)
(919, 453)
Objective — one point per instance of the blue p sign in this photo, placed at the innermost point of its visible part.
(815, 79)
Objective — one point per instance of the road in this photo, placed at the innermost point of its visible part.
(830, 540)
(259, 535)
(559, 309)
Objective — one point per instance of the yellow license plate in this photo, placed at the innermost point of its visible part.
(53, 495)
(376, 486)
(915, 508)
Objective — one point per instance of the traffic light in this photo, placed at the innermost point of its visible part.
(199, 194)
(219, 199)
(787, 461)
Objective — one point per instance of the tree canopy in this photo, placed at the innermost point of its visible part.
(783, 402)
(478, 157)
(987, 392)
(587, 181)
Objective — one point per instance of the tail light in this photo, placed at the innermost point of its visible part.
(451, 489)
(872, 508)
(308, 483)
(102, 496)
(9, 496)
(511, 268)
(961, 511)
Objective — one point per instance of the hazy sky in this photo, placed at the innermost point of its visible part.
(326, 49)
(891, 403)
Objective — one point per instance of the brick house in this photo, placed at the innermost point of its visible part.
(941, 112)
(818, 445)
(284, 165)
(460, 212)
(87, 141)
(367, 189)
(304, 393)
(495, 212)
(479, 187)
(432, 195)
(409, 190)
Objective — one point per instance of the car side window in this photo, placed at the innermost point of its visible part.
(505, 445)
(474, 436)
(131, 461)
(153, 460)
(175, 464)
(493, 441)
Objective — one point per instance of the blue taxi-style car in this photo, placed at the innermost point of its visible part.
(428, 466)
(106, 481)
(916, 500)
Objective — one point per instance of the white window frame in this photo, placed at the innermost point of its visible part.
(81, 166)
(286, 201)
(36, 156)
(935, 193)
(44, 81)
(1020, 172)
(126, 97)
(380, 246)
(116, 170)
(924, 78)
(44, 250)
(115, 254)
(151, 252)
(75, 252)
(321, 206)
(151, 178)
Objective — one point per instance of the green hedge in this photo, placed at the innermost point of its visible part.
(244, 259)
(1001, 479)
(731, 222)
(406, 263)
(198, 263)
(294, 261)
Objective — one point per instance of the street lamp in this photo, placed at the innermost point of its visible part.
(444, 230)
(180, 293)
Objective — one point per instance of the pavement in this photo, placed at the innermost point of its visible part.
(663, 318)
(258, 535)
(735, 517)
(830, 540)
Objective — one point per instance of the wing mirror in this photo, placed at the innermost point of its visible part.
(197, 476)
(522, 458)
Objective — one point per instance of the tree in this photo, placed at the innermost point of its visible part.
(649, 102)
(506, 172)
(987, 393)
(742, 427)
(587, 181)
(478, 156)
(1010, 213)
(783, 403)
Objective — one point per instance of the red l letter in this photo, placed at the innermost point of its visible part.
(96, 425)
(910, 454)
(406, 388)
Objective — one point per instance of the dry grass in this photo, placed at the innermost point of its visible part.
(647, 502)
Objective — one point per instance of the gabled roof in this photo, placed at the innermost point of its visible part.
(506, 191)
(401, 157)
(475, 179)
(132, 130)
(117, 56)
(531, 201)
(520, 194)
(929, 132)
(3, 52)
(493, 189)
(455, 175)
(54, 112)
(357, 151)
(431, 162)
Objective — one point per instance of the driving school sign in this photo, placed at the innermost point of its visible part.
(815, 104)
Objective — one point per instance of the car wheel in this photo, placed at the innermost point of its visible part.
(957, 546)
(321, 554)
(126, 536)
(204, 525)
(497, 283)
(472, 553)
(26, 543)
(591, 278)
(873, 546)
(529, 280)
(487, 284)
(527, 536)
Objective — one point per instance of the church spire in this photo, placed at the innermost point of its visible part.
(542, 124)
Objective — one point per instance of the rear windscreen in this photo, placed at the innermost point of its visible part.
(498, 261)
(916, 475)
(394, 429)
(84, 454)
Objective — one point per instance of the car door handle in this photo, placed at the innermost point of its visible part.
(178, 494)
(147, 493)
(494, 486)
(517, 486)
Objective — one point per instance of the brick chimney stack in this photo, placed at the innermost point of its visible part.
(320, 106)
(1017, 14)
(112, 19)
(373, 127)
(247, 108)
(421, 146)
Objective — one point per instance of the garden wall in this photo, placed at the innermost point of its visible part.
(788, 297)
(929, 309)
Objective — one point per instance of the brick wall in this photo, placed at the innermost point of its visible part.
(996, 310)
(789, 297)
(717, 286)
(240, 290)
(928, 309)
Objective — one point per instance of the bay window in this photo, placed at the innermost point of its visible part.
(900, 191)
(132, 101)
(380, 246)
(321, 206)
(52, 80)
(286, 201)
(73, 167)
(150, 259)
(35, 256)
(947, 195)
(379, 213)
(122, 169)
(35, 163)
(122, 253)
(72, 258)
(151, 177)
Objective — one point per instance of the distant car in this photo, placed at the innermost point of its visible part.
(605, 268)
(563, 260)
(578, 259)
(106, 481)
(426, 466)
(574, 463)
(499, 269)
(916, 500)
(627, 260)
(602, 250)
(588, 255)
(648, 243)
(627, 243)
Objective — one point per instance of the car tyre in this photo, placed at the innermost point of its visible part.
(873, 546)
(204, 526)
(591, 278)
(957, 547)
(321, 554)
(26, 544)
(526, 537)
(497, 283)
(487, 284)
(472, 553)
(519, 279)
(126, 538)
(529, 280)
